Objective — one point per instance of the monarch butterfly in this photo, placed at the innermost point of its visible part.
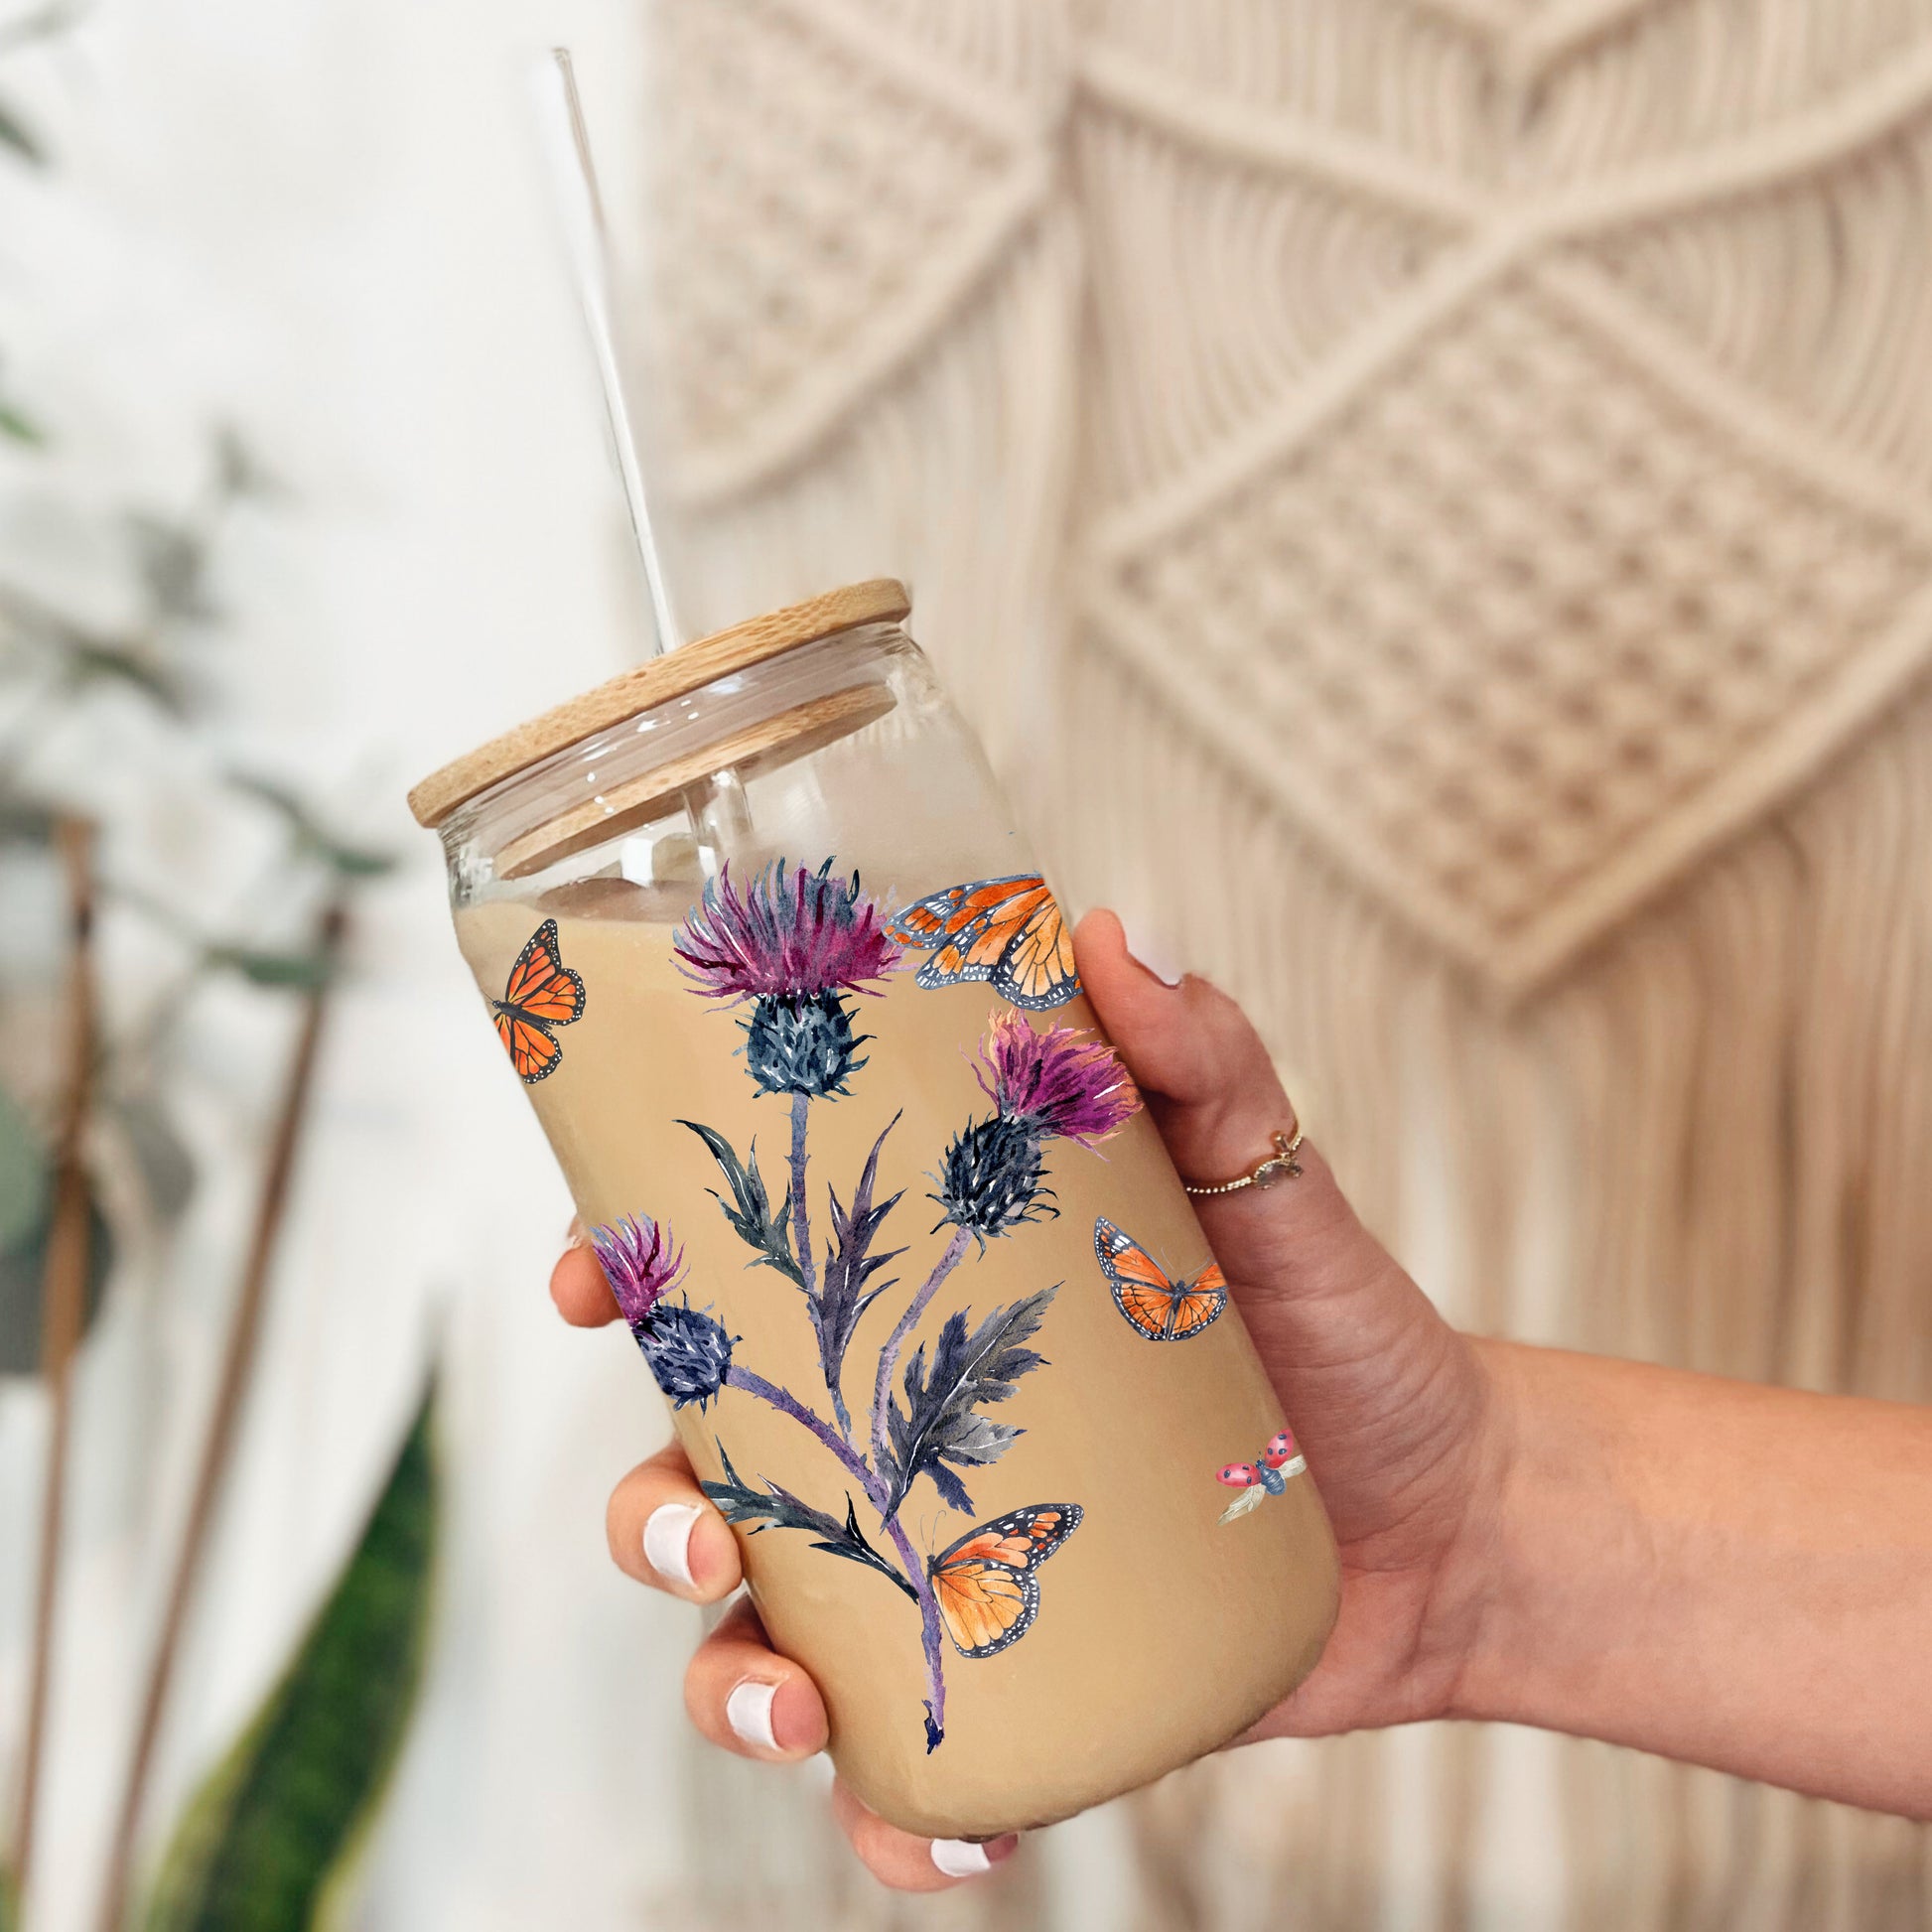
(542, 993)
(1257, 1481)
(985, 1584)
(1160, 1308)
(1007, 930)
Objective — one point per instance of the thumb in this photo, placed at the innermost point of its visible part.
(1380, 1389)
(1218, 1102)
(1191, 1051)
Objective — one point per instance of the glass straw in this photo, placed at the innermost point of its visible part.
(717, 807)
(580, 207)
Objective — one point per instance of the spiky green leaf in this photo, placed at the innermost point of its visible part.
(277, 1822)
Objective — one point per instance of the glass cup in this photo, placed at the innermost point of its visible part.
(939, 1331)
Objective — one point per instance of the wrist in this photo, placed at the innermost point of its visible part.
(1489, 1584)
(1562, 1549)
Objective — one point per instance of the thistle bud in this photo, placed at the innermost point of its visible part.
(688, 1352)
(1056, 1084)
(804, 1044)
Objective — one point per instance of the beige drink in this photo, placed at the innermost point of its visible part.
(886, 1220)
(1127, 1623)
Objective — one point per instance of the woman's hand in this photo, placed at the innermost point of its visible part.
(1391, 1406)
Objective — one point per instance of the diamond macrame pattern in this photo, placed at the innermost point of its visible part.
(818, 208)
(1499, 629)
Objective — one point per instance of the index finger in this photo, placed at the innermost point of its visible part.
(577, 1285)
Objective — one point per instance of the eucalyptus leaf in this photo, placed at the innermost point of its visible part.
(239, 471)
(25, 821)
(275, 1825)
(166, 1166)
(93, 660)
(17, 427)
(262, 967)
(23, 1268)
(311, 837)
(356, 861)
(17, 135)
(23, 1177)
(174, 564)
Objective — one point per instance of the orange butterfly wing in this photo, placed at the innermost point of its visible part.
(542, 993)
(1199, 1304)
(985, 1585)
(946, 913)
(532, 1052)
(1158, 1306)
(985, 1607)
(1006, 930)
(541, 985)
(1036, 969)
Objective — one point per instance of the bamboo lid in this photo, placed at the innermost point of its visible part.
(879, 600)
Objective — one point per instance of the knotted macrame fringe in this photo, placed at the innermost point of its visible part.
(1076, 268)
(1699, 1147)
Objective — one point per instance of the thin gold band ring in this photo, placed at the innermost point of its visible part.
(1264, 1174)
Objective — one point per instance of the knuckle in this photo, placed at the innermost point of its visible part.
(696, 1680)
(619, 1526)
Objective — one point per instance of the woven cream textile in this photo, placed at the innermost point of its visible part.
(1431, 508)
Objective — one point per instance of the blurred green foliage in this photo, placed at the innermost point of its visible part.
(51, 661)
(277, 1823)
(16, 135)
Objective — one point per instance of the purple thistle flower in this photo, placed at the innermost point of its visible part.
(793, 943)
(1062, 1080)
(688, 1352)
(791, 934)
(1061, 1084)
(639, 1263)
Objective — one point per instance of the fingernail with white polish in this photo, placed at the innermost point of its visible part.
(1155, 958)
(748, 1713)
(668, 1541)
(960, 1858)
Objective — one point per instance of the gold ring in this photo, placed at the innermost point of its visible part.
(1264, 1174)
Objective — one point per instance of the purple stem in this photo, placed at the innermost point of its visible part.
(935, 1675)
(888, 1355)
(916, 1575)
(801, 1223)
(785, 1401)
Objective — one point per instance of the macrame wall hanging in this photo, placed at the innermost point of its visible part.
(1432, 501)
